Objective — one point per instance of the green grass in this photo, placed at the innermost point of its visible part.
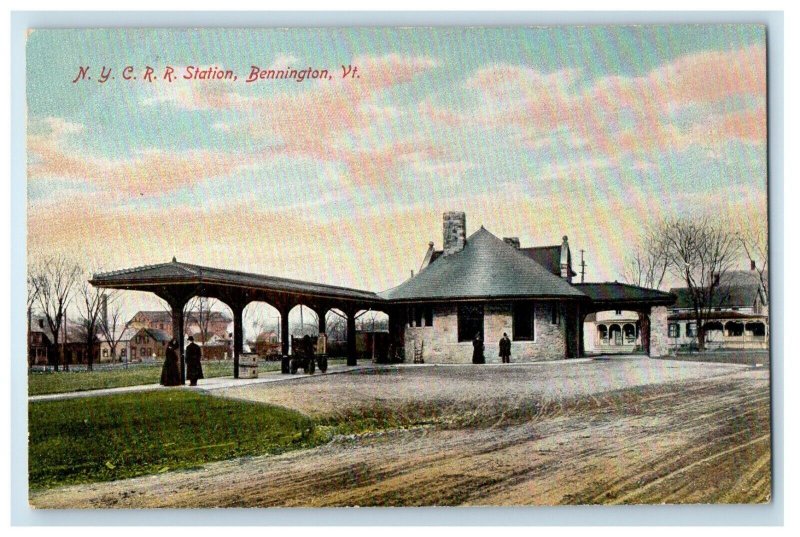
(42, 383)
(105, 438)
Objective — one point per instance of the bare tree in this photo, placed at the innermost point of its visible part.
(91, 302)
(336, 325)
(700, 252)
(54, 278)
(647, 265)
(199, 312)
(753, 238)
(33, 293)
(112, 324)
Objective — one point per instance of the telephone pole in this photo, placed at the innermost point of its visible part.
(583, 267)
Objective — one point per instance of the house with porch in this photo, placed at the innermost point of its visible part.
(739, 317)
(612, 332)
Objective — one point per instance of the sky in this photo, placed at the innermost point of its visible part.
(589, 132)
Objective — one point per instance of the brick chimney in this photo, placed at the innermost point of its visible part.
(513, 241)
(566, 260)
(454, 231)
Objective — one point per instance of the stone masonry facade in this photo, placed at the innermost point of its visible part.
(440, 342)
(659, 344)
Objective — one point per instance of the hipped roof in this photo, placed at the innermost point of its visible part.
(486, 267)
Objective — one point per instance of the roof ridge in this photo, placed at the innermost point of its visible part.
(282, 278)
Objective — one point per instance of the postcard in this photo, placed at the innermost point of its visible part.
(419, 266)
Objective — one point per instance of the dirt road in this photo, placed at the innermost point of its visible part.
(616, 433)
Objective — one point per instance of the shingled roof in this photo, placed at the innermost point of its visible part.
(740, 296)
(177, 272)
(486, 267)
(547, 256)
(623, 292)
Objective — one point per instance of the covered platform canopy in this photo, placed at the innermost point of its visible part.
(622, 296)
(487, 268)
(177, 282)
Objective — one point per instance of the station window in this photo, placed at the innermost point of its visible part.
(420, 316)
(555, 314)
(470, 321)
(523, 322)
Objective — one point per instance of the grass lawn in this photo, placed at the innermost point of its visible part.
(119, 436)
(41, 383)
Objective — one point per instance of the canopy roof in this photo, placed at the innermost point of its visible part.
(623, 293)
(175, 273)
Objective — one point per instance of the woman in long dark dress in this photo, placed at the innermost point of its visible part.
(477, 350)
(171, 373)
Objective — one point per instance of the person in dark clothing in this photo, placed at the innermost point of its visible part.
(171, 373)
(477, 350)
(505, 349)
(194, 369)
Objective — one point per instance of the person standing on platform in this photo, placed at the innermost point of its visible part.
(477, 350)
(194, 369)
(505, 349)
(171, 372)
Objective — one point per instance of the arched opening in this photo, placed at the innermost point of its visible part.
(756, 329)
(209, 322)
(372, 335)
(734, 329)
(303, 321)
(336, 332)
(602, 334)
(615, 335)
(629, 332)
(261, 330)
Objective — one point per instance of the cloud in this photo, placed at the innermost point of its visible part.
(150, 172)
(621, 114)
(330, 120)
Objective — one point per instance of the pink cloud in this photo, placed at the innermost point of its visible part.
(147, 173)
(617, 114)
(329, 120)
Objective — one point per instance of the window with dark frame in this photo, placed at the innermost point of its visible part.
(427, 314)
(523, 322)
(674, 330)
(555, 314)
(470, 321)
(420, 316)
(690, 330)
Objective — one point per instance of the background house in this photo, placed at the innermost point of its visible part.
(612, 332)
(147, 344)
(739, 318)
(40, 341)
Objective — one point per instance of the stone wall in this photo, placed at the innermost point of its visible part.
(659, 343)
(441, 343)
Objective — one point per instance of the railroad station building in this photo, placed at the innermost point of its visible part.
(475, 285)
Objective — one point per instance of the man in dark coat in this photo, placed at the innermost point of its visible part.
(477, 350)
(171, 372)
(194, 369)
(505, 349)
